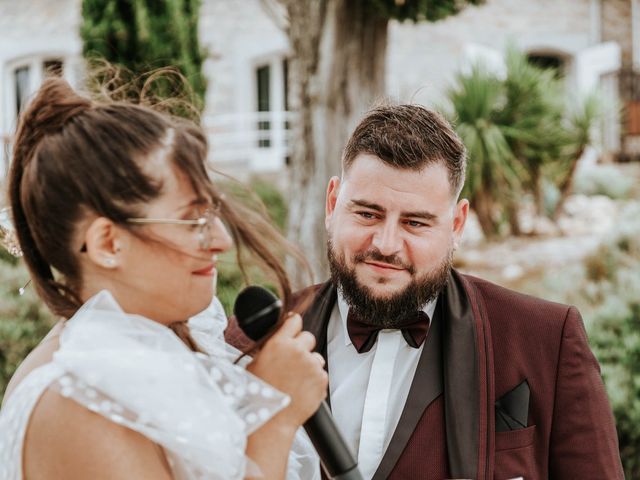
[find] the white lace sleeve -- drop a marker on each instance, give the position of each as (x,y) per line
(207,329)
(136,372)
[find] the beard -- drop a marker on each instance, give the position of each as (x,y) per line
(389,311)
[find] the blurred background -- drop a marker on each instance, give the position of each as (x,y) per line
(544,93)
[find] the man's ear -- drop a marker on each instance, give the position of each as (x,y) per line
(102,240)
(332,197)
(459,220)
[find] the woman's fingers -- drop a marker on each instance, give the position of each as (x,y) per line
(318,358)
(290,327)
(307,340)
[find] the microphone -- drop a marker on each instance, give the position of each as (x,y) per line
(257,311)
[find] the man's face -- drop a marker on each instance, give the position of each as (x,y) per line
(391,234)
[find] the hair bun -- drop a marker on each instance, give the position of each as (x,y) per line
(53,106)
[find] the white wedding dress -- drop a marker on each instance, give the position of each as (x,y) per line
(199,408)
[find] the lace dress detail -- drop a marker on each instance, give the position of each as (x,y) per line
(199,408)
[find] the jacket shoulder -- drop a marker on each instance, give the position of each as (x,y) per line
(302,299)
(493,293)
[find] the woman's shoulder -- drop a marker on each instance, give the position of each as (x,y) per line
(66,440)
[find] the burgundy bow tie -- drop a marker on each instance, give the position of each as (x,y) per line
(363,335)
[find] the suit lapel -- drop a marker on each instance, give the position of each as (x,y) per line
(460,382)
(426,386)
(316,319)
(468,381)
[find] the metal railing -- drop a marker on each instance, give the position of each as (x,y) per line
(257,141)
(254,141)
(629,84)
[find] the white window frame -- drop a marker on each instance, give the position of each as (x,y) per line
(35,63)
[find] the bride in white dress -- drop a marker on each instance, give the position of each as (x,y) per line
(121,229)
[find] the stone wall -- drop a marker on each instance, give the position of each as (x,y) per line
(616,26)
(423,57)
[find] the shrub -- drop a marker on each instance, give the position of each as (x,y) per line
(603,180)
(24,319)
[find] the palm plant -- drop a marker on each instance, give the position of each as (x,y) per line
(578,133)
(518,132)
(492,174)
(532,119)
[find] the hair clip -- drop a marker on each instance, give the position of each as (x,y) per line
(8,238)
(21,290)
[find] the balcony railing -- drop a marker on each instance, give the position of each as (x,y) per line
(253,141)
(257,141)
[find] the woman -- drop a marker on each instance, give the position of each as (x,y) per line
(121,229)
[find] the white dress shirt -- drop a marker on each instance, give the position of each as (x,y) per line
(368,390)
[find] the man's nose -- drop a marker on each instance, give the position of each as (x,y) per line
(388,238)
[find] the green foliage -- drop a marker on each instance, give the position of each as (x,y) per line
(520,132)
(144,35)
(417,10)
(477,100)
(532,116)
(493,174)
(603,180)
(615,334)
(24,320)
(273,200)
(261,194)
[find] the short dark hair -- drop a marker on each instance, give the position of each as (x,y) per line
(408,137)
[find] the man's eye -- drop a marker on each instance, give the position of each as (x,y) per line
(415,224)
(367,215)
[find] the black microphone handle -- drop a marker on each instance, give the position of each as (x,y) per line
(335,454)
(336,457)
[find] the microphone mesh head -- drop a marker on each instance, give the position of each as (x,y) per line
(257,311)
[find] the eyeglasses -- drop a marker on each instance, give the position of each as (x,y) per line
(204,224)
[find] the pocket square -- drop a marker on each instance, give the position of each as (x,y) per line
(512,409)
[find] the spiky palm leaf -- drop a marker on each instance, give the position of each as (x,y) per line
(476,99)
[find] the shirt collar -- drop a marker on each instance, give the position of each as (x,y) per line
(343,308)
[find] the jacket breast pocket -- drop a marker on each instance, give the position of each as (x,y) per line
(515,454)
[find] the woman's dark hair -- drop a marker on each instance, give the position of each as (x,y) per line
(73,155)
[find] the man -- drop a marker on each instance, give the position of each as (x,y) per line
(435,374)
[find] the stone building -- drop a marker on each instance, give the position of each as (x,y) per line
(593,43)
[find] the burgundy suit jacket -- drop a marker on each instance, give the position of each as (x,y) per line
(483,342)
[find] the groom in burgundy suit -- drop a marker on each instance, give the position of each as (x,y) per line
(435,374)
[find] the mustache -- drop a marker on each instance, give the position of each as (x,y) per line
(375,255)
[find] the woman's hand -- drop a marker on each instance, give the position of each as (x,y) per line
(287,362)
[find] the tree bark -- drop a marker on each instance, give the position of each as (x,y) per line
(484,207)
(567,184)
(337,73)
(512,210)
(538,193)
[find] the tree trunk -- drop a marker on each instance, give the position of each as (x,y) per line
(567,184)
(512,211)
(538,193)
(337,73)
(483,206)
